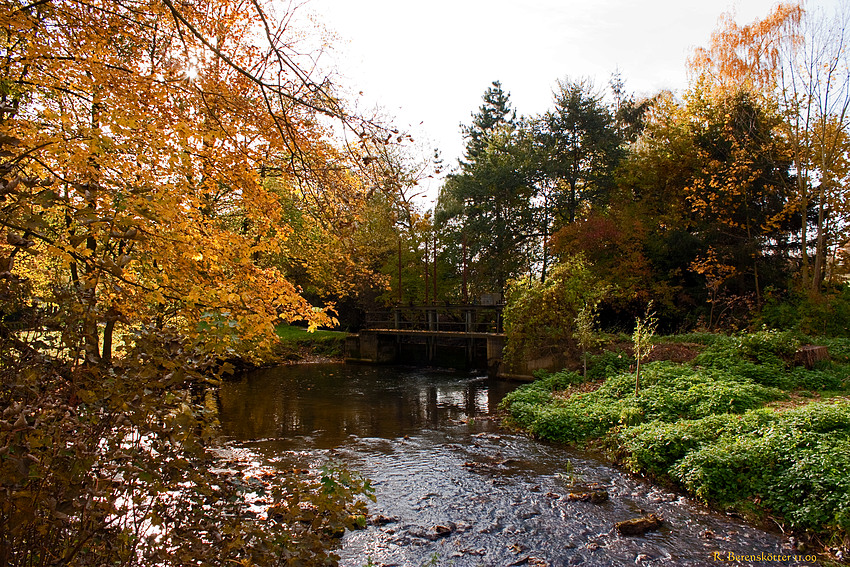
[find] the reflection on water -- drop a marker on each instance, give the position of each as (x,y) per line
(330,402)
(458,490)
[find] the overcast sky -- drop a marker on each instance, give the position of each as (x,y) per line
(427,64)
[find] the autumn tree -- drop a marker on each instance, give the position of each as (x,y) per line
(406,229)
(710,172)
(137,145)
(137,141)
(815,88)
(740,193)
(356,261)
(797,59)
(630,113)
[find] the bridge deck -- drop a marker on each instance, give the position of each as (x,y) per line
(427,333)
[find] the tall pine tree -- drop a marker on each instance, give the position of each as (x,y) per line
(486,204)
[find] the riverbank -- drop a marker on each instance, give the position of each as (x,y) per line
(739,427)
(297,345)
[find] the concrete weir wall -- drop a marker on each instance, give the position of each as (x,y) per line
(371,348)
(432,349)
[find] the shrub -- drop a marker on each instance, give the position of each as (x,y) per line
(655,447)
(702,426)
(766,347)
(110,466)
(828,377)
(559,380)
(813,488)
(764,358)
(607,364)
(580,420)
(827,314)
(540,316)
(821,417)
(727,471)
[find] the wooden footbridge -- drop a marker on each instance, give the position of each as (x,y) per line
(460,335)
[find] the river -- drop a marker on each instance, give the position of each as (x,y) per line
(455,489)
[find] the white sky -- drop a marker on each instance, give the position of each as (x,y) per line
(427,64)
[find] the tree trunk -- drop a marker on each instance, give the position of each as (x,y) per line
(804,233)
(584,360)
(106,357)
(820,244)
(808,355)
(637,377)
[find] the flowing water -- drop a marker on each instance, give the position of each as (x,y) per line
(454,489)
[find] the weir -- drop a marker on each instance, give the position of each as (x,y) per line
(457,336)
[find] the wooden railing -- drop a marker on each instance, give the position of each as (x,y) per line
(447,317)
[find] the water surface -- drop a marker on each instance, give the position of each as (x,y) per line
(457,490)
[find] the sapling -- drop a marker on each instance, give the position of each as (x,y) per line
(583,332)
(642,339)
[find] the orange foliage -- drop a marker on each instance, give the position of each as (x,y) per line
(748,57)
(137,139)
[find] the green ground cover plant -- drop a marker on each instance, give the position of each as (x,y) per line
(739,426)
(791,463)
(670,392)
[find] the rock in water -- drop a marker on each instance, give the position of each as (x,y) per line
(381,520)
(596,496)
(639,526)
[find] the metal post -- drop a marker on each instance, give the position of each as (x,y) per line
(470,343)
(465,296)
(426,272)
(434,296)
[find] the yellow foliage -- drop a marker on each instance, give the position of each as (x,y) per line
(139,137)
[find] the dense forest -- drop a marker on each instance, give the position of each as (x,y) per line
(716,204)
(176,180)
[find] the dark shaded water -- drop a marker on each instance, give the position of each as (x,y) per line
(436,458)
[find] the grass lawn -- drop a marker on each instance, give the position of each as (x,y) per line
(296,343)
(291,332)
